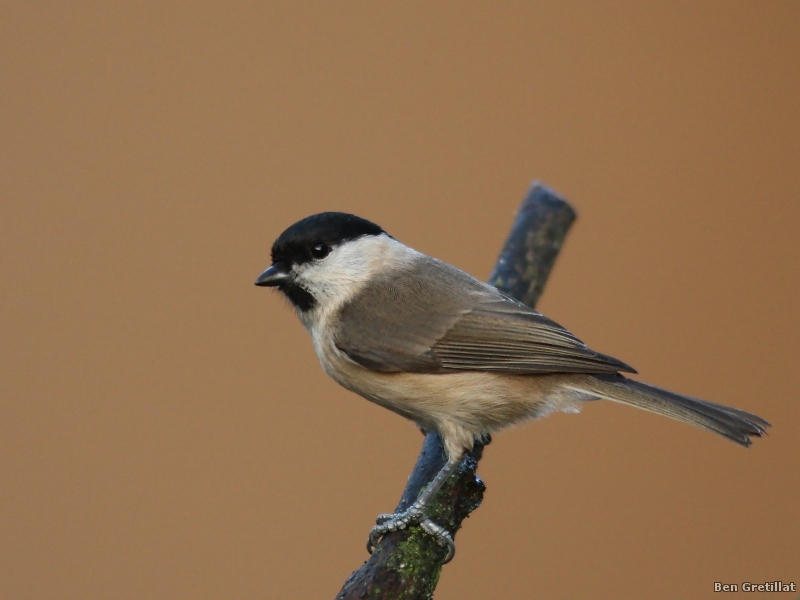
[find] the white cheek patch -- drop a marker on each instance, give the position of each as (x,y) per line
(335,278)
(341,275)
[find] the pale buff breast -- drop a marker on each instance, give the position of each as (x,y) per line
(479,402)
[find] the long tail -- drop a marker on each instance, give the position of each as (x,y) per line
(732,423)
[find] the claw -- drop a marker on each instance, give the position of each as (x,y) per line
(442,536)
(373,539)
(380,519)
(394,522)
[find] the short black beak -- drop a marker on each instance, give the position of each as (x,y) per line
(273,276)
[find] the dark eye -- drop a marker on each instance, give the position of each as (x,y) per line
(320,250)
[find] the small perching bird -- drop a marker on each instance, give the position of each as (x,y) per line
(447,351)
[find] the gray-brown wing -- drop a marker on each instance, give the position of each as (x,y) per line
(505,336)
(391,324)
(433,318)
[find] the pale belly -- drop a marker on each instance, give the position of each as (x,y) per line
(480,402)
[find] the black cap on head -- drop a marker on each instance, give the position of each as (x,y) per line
(330,228)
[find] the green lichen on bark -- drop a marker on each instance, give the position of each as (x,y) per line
(409,570)
(407,564)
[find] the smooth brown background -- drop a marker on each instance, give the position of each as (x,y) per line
(165,428)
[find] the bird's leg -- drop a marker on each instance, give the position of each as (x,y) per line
(416,514)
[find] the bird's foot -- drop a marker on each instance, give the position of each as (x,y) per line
(387,523)
(394,522)
(442,537)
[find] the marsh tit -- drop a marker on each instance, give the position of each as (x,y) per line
(447,351)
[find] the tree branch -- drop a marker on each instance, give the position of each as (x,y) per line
(406,564)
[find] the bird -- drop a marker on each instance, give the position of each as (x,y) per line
(447,351)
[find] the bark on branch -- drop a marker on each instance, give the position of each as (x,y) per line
(406,564)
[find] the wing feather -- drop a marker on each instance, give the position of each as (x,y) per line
(434,318)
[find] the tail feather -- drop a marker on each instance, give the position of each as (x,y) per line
(732,423)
